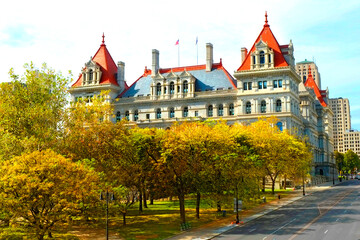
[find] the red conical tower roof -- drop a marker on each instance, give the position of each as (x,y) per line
(107,66)
(310,82)
(268,37)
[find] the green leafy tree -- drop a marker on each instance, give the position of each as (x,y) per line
(31,110)
(352,161)
(44,188)
(339,158)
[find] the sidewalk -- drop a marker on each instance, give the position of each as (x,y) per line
(214,229)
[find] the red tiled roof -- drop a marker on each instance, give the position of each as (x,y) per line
(107,67)
(268,37)
(312,84)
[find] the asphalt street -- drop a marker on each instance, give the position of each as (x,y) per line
(329,214)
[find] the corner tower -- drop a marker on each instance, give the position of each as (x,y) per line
(100,73)
(267,82)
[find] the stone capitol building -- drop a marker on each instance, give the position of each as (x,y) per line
(265,84)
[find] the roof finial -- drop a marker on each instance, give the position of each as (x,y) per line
(266,21)
(103,39)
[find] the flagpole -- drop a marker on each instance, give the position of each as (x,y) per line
(197,52)
(179,54)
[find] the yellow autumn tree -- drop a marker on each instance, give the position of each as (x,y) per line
(43,188)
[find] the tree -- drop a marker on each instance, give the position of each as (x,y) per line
(44,188)
(339,158)
(31,110)
(352,162)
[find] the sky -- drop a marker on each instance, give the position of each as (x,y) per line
(65,34)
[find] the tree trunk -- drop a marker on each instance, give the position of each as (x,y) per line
(124,218)
(49,234)
(285,182)
(151,198)
(140,203)
(263,184)
(273,185)
(144,197)
(181,197)
(198,205)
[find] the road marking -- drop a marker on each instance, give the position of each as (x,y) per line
(251,230)
(326,231)
(318,217)
(279,228)
(337,219)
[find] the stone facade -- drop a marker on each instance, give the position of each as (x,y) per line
(266,84)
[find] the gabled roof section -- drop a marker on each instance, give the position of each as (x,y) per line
(268,37)
(217,78)
(107,66)
(312,84)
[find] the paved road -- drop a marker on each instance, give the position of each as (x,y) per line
(329,214)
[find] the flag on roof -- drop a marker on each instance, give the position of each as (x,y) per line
(196,40)
(177,42)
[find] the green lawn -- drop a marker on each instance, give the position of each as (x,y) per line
(159,221)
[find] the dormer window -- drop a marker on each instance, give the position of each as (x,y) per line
(172,88)
(158,89)
(91,73)
(262,57)
(91,76)
(185,87)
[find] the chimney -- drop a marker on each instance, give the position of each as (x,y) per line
(209,57)
(244,53)
(155,62)
(121,74)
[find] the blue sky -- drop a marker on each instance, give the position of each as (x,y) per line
(64,34)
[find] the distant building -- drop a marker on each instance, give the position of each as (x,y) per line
(351,141)
(266,84)
(302,68)
(342,125)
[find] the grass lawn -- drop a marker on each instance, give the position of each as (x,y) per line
(159,221)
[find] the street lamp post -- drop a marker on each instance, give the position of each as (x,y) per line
(108,196)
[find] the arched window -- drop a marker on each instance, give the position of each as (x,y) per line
(127,115)
(304,79)
(172,113)
(221,110)
(186,112)
(263,106)
(118,116)
(158,113)
(91,76)
(172,88)
(136,115)
(279,125)
(278,105)
(231,109)
(262,57)
(248,107)
(158,89)
(210,110)
(185,87)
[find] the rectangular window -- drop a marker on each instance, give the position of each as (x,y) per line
(249,85)
(265,84)
(245,85)
(260,86)
(196,113)
(275,83)
(147,116)
(280,83)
